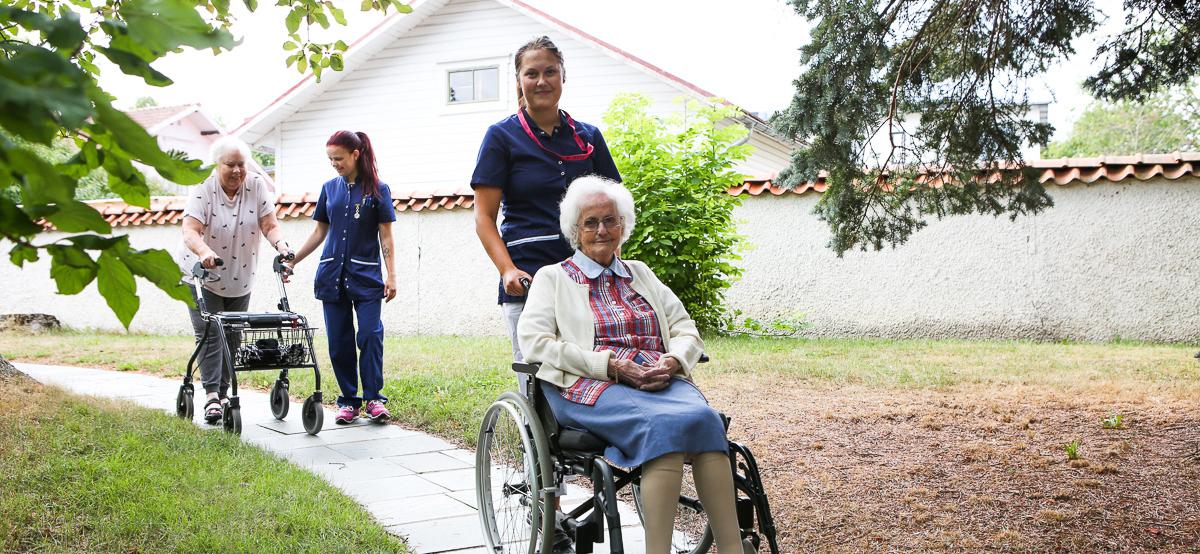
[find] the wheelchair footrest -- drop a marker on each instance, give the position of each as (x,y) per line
(585,534)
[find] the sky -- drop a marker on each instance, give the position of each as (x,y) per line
(745,51)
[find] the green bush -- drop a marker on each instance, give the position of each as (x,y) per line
(679,169)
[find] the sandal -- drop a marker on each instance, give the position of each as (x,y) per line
(214,410)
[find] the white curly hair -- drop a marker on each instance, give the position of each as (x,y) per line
(582,189)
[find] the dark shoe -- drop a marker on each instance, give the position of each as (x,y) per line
(214,410)
(562,542)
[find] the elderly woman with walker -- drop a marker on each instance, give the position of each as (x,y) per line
(225,220)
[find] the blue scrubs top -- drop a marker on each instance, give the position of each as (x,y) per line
(351,261)
(533,182)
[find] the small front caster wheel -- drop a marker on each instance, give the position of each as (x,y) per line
(313,415)
(233,420)
(183,403)
(279,400)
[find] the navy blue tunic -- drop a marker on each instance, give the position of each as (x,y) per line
(533,182)
(352,246)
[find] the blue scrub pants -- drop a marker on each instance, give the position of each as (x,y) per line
(339,325)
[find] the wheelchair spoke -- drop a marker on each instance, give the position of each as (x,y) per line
(511,481)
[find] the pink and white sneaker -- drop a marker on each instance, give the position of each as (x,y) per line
(376,411)
(346,414)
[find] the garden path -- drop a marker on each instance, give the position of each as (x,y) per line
(417,486)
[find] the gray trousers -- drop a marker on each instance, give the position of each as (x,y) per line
(512,313)
(214,374)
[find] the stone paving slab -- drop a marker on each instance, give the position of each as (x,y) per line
(417,486)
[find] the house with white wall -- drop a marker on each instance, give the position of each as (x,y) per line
(426,85)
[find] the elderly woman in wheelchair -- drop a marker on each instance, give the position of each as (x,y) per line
(614,349)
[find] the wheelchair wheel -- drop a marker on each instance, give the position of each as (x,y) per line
(184,403)
(233,420)
(513,479)
(692,534)
(312,415)
(279,399)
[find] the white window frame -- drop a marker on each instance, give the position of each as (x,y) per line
(504,84)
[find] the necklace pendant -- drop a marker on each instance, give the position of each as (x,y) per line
(357,207)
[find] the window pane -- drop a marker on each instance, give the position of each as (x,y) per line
(461,86)
(486,82)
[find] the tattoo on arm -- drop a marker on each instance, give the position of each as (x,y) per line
(386,251)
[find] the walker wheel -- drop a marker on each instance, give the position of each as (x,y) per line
(183,402)
(312,415)
(280,403)
(233,420)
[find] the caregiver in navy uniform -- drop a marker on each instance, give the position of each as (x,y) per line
(525,164)
(355,211)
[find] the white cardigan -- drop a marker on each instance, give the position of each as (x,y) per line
(557,329)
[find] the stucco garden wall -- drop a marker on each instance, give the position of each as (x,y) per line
(1109,261)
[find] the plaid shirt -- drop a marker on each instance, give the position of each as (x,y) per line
(625,323)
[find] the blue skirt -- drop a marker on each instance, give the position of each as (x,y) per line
(640,426)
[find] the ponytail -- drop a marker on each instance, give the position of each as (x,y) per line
(368,172)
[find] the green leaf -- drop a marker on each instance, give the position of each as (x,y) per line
(288,46)
(75,216)
(22,253)
(152,28)
(251,5)
(14,223)
(63,33)
(222,6)
(293,20)
(159,268)
(335,62)
(340,46)
(134,192)
(131,64)
(338,15)
(366,6)
(116,285)
(134,139)
(40,93)
(71,269)
(402,7)
(97,242)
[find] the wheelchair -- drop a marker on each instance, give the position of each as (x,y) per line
(523,456)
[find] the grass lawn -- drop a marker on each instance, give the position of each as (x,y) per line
(88,475)
(899,445)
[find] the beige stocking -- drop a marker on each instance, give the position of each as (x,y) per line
(661,479)
(714,483)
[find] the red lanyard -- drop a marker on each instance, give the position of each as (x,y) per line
(586,148)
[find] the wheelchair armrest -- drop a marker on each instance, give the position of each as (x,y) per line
(522,367)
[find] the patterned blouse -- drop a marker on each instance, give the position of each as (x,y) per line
(625,323)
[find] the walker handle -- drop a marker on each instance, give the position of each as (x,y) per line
(278,265)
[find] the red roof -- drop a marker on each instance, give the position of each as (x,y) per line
(149,117)
(165,210)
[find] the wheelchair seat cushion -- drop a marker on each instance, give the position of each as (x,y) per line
(580,441)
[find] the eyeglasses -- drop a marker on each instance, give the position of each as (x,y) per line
(592,224)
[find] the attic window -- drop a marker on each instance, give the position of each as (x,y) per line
(473,85)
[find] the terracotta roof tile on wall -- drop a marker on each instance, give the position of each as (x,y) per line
(1063,171)
(166,210)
